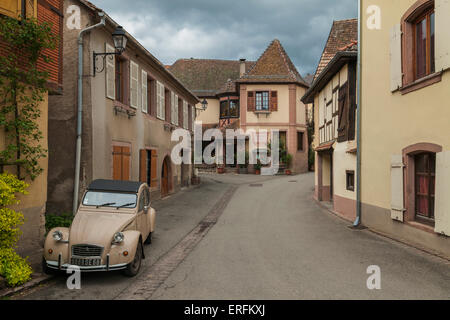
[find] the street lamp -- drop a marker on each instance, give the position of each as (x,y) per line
(204,106)
(120,43)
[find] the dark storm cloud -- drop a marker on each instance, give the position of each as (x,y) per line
(173,29)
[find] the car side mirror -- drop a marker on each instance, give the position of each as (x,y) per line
(146,209)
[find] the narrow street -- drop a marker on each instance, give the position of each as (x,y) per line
(271,241)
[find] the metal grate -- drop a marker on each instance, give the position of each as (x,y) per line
(87,250)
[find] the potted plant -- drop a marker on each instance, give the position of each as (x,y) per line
(258,168)
(288,160)
(220,169)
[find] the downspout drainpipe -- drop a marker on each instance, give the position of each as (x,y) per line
(358,122)
(80,110)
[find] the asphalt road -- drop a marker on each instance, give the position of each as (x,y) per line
(271,241)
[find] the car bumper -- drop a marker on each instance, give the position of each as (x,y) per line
(55,265)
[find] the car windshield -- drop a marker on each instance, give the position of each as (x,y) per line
(110,199)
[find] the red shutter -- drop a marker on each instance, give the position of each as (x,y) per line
(251,102)
(273,101)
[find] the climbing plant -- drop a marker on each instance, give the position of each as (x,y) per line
(23,44)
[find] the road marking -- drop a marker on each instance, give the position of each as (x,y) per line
(145,285)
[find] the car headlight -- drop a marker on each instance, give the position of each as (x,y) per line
(118,237)
(57,235)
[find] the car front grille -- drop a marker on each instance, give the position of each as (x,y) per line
(86,262)
(84,250)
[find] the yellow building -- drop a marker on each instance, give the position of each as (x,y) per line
(333,94)
(405,112)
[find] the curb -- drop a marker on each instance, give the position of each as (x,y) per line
(34,282)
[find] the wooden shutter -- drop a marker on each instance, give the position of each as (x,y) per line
(442,200)
(144,92)
(10,8)
(185,115)
(175,110)
(396,57)
(134,82)
(251,101)
(343,113)
(190,117)
(397,206)
(126,163)
(117,163)
(167,106)
(154,169)
(273,101)
(143,165)
(110,73)
(442,27)
(180,113)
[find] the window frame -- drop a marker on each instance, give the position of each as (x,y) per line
(350,186)
(425,15)
(261,95)
(302,135)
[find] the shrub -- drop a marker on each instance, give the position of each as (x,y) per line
(53,221)
(14,268)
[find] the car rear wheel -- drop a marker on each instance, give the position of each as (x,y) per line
(134,267)
(149,238)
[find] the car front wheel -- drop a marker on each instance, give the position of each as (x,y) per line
(134,267)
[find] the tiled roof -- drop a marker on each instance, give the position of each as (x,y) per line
(206,77)
(274,66)
(309,78)
(343,33)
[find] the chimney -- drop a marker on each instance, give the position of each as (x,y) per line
(242,67)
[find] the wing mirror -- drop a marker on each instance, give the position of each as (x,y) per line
(146,209)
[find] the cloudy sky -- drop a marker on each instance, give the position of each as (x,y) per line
(231,29)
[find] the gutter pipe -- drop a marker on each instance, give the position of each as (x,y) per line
(358,123)
(102,23)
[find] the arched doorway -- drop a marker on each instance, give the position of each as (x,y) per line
(165,177)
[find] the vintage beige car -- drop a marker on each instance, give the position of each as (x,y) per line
(108,233)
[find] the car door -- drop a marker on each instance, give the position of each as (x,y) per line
(142,220)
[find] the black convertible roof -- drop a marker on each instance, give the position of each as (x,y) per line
(115,185)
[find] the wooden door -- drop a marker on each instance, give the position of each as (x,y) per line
(165,179)
(121,163)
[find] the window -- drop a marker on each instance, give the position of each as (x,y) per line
(425,169)
(350,180)
(229,109)
(283,140)
(424,44)
(224,109)
(174,108)
(234,108)
(185,115)
(300,136)
(262,101)
(161,111)
(148,167)
(120,80)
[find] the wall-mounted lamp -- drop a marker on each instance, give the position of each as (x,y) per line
(120,43)
(203,107)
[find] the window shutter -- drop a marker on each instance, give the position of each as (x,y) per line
(134,82)
(10,8)
(31,8)
(190,117)
(180,114)
(143,165)
(144,92)
(396,57)
(185,115)
(161,112)
(251,102)
(442,27)
(442,200)
(397,207)
(273,101)
(175,110)
(342,113)
(193,117)
(154,169)
(110,73)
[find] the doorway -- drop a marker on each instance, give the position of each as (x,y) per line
(165,177)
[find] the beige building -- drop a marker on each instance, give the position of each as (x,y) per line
(261,95)
(333,94)
(405,140)
(131,105)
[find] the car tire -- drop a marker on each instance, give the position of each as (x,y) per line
(149,238)
(133,268)
(46,270)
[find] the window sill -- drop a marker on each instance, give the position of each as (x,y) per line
(422,83)
(421,226)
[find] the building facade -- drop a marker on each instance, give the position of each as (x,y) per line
(405,141)
(261,95)
(333,94)
(33,205)
(131,105)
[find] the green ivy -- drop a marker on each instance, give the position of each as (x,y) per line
(22,89)
(53,221)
